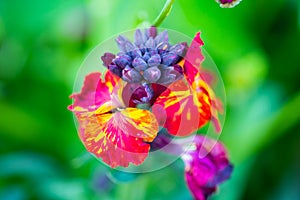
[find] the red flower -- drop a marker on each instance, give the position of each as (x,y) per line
(151,74)
(108,129)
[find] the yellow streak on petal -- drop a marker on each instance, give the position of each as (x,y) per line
(99,136)
(188,115)
(142,120)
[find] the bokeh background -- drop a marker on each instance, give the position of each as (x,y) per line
(42,45)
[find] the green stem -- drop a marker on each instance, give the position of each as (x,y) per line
(164,13)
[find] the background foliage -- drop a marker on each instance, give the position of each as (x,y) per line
(42,44)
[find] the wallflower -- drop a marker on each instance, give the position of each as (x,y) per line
(206,166)
(149,83)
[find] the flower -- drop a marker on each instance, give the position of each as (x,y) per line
(150,83)
(228,3)
(107,128)
(152,92)
(206,166)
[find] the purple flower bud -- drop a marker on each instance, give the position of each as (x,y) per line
(131,75)
(107,59)
(169,75)
(137,93)
(139,38)
(151,32)
(152,51)
(163,45)
(162,139)
(228,3)
(123,60)
(152,74)
(124,44)
(154,60)
(170,59)
(150,43)
(139,64)
(178,69)
(162,37)
(115,69)
(179,49)
(206,167)
(146,56)
(149,92)
(136,53)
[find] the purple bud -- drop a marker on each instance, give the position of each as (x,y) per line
(149,93)
(139,38)
(146,56)
(228,3)
(107,59)
(170,59)
(154,60)
(131,75)
(150,43)
(178,68)
(122,61)
(169,75)
(115,69)
(162,139)
(124,44)
(136,53)
(136,93)
(163,45)
(152,74)
(152,51)
(179,49)
(162,37)
(139,64)
(151,32)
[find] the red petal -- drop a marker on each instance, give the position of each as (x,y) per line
(94,92)
(111,80)
(115,134)
(183,114)
(198,80)
(193,58)
(118,138)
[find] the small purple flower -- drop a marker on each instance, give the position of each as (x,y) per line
(206,166)
(228,3)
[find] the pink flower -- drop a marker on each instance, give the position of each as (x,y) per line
(228,3)
(206,166)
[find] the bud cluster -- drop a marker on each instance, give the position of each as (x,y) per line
(150,59)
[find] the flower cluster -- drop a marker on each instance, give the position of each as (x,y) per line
(151,86)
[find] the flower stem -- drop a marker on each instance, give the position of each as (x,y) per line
(164,13)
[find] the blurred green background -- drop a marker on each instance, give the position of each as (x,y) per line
(42,45)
